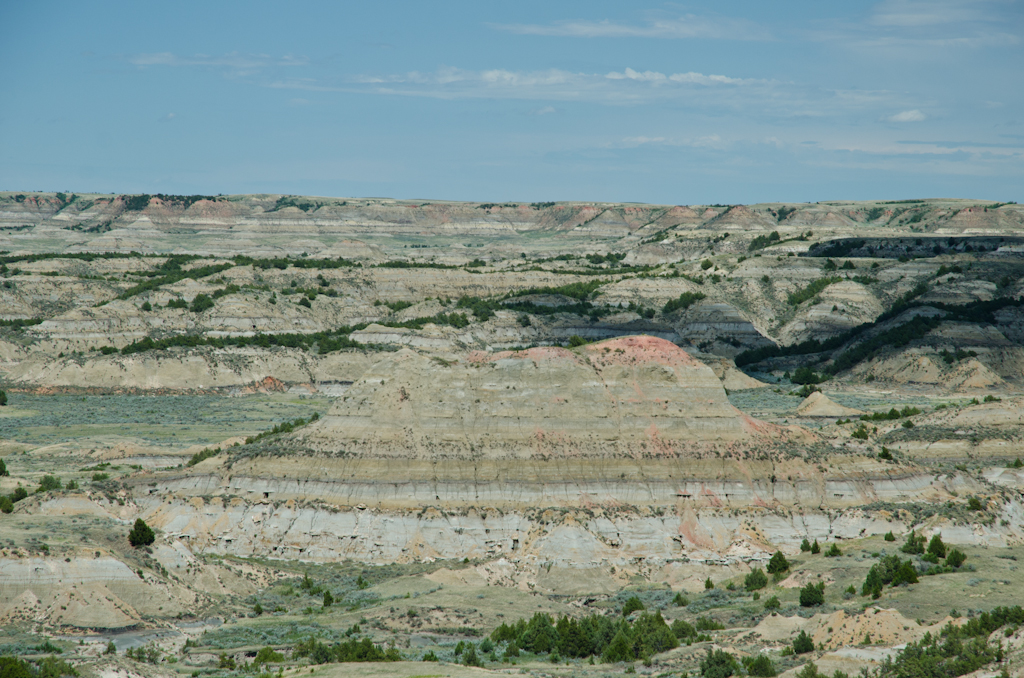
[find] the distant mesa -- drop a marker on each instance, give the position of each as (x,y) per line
(635,396)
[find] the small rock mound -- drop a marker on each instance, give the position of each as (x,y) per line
(820,405)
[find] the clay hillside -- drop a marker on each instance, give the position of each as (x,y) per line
(257,434)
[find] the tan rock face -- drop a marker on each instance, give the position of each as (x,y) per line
(634,395)
(820,405)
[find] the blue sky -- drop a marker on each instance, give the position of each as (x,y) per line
(676,103)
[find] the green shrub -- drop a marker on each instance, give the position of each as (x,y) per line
(812,595)
(805,545)
(760,666)
(936,547)
(803,643)
(6,505)
(267,655)
(805,375)
(772,604)
(914,544)
(955,558)
(833,551)
(757,579)
(889,536)
(706,264)
(141,534)
(683,629)
(49,483)
(708,584)
(632,605)
(718,664)
(815,547)
(708,624)
(680,600)
(778,564)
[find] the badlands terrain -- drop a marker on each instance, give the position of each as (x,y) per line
(377,437)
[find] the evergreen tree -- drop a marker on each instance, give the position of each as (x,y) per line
(778,563)
(803,644)
(141,534)
(936,547)
(755,580)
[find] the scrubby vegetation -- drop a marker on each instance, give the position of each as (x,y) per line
(284,427)
(684,301)
(812,290)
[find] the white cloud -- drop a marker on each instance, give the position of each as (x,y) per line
(908,116)
(690,78)
(545,110)
(684,27)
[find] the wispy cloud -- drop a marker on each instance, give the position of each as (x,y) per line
(908,116)
(916,28)
(628,86)
(916,13)
(684,27)
(233,61)
(687,78)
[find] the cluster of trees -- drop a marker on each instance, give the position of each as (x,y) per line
(950,357)
(324,342)
(954,651)
(892,571)
(457,320)
(892,414)
(976,311)
(47,667)
(762,241)
(347,651)
(613,639)
(611,258)
(7,501)
(685,301)
(171,272)
(203,455)
(812,290)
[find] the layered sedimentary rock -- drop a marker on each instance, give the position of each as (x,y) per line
(632,396)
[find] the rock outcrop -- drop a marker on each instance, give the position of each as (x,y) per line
(633,396)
